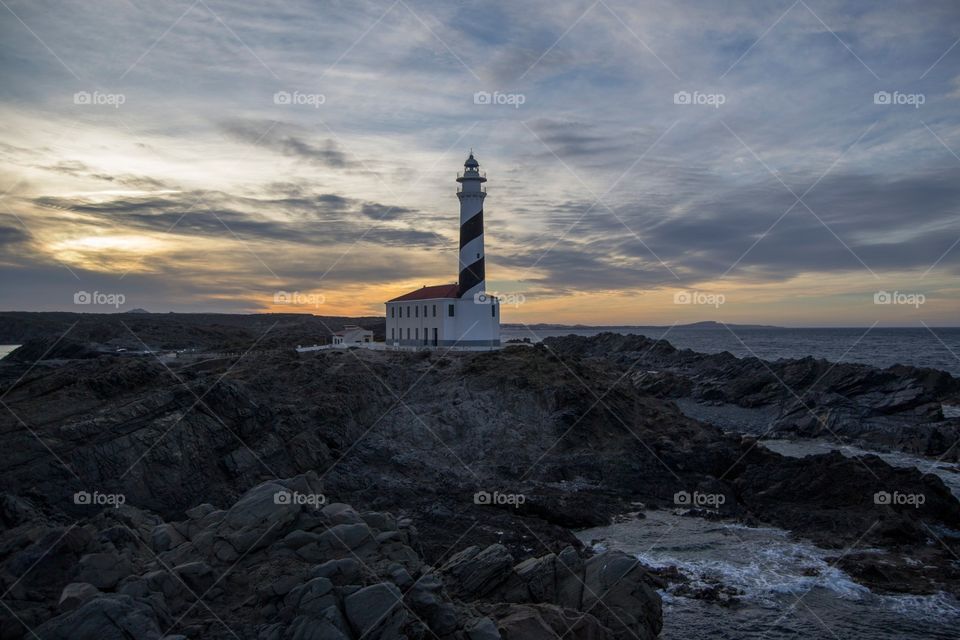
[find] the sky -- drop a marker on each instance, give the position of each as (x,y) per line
(779,162)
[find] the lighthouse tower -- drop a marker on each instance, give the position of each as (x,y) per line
(471,194)
(458,315)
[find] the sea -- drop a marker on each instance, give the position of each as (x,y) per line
(938,348)
(788,587)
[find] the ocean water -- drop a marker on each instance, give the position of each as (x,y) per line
(883,347)
(789,588)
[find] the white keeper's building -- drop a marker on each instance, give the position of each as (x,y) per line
(460,315)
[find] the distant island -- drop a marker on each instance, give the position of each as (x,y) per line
(705,324)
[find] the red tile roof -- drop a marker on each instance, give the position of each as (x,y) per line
(428,293)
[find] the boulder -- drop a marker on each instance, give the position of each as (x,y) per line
(258,518)
(198,576)
(340,572)
(481,629)
(103,570)
(547,622)
(165,537)
(376,612)
(615,590)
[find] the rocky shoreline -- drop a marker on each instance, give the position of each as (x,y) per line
(903,408)
(466,474)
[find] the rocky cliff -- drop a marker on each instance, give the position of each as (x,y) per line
(126,478)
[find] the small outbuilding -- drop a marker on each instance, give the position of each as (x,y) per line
(352,335)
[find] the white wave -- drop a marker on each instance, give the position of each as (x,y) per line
(939,605)
(775,568)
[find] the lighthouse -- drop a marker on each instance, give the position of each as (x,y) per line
(471,195)
(459,315)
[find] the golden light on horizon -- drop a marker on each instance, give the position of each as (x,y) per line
(102,252)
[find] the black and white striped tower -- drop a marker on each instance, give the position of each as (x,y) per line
(471,194)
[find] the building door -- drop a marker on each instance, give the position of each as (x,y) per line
(434,336)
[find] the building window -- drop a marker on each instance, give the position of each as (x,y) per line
(493,310)
(401,311)
(393,335)
(424,311)
(416,333)
(408,333)
(393,312)
(434,336)
(416,312)
(408,311)
(450,310)
(434,311)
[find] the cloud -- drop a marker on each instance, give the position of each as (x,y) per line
(200,147)
(289,140)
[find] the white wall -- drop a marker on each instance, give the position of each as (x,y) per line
(473,323)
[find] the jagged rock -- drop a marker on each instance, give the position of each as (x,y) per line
(107,617)
(630,608)
(75,594)
(473,572)
(540,577)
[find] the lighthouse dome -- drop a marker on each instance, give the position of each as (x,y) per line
(471,162)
